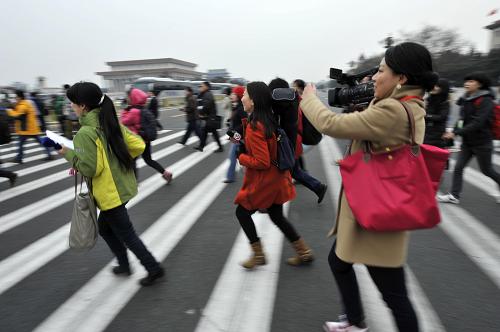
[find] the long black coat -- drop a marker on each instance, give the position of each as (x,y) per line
(435,122)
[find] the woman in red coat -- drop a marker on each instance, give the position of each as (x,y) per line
(264,185)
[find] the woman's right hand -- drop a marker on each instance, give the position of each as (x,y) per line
(309,90)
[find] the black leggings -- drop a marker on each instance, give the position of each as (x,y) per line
(146,155)
(275,213)
(390,282)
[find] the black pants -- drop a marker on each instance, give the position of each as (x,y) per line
(119,233)
(204,134)
(483,155)
(275,213)
(6,174)
(146,155)
(390,282)
(191,127)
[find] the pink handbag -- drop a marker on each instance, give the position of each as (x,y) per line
(394,190)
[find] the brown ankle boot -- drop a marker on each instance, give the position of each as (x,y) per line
(258,257)
(304,253)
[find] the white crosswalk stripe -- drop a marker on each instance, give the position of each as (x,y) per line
(238,300)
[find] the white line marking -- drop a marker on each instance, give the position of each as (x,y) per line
(31,211)
(244,300)
(60,161)
(26,261)
(96,304)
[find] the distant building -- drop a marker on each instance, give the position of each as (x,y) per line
(495,34)
(125,72)
(217,73)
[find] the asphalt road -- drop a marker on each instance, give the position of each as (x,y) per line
(453,270)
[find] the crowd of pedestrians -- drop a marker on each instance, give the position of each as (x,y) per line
(106,147)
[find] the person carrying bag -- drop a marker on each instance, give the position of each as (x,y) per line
(406,70)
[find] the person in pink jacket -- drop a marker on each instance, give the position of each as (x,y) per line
(131,118)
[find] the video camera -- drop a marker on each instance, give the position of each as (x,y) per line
(356,93)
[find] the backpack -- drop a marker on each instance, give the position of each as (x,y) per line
(495,125)
(310,135)
(148,125)
(286,155)
(4,128)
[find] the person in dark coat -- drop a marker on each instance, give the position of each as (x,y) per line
(191,110)
(237,115)
(154,107)
(436,117)
(474,125)
(264,185)
(289,118)
(208,113)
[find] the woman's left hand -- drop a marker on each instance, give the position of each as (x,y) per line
(62,151)
(309,90)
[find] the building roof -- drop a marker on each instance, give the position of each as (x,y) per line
(148,71)
(493,26)
(151,61)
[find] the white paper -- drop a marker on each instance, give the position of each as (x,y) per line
(60,139)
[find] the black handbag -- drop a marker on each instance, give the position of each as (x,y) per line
(214,122)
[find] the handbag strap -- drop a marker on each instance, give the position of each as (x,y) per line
(411,121)
(367,147)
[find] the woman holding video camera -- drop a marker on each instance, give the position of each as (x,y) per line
(405,73)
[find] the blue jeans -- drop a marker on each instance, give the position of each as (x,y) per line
(232,159)
(22,139)
(119,233)
(305,179)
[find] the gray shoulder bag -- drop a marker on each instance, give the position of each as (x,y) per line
(83,231)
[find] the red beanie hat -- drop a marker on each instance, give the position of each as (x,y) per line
(239,91)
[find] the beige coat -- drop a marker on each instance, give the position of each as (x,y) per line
(385,124)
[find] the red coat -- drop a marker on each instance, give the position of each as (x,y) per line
(263,184)
(298,143)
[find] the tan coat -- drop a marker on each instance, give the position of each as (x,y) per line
(385,124)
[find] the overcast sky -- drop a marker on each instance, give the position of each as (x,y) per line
(69,40)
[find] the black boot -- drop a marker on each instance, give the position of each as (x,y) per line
(152,277)
(120,270)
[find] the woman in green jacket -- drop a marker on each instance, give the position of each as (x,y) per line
(104,152)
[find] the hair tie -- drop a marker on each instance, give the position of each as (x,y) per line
(102,99)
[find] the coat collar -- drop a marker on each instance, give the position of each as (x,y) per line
(406,90)
(91,118)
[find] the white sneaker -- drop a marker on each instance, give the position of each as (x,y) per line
(342,327)
(448,198)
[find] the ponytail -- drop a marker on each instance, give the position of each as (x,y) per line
(90,95)
(110,126)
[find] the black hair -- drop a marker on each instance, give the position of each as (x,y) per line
(260,94)
(155,93)
(480,78)
(188,88)
(66,86)
(300,84)
(283,108)
(34,94)
(414,61)
(227,91)
(20,94)
(207,84)
(442,96)
(91,96)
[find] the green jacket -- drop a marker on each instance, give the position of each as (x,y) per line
(112,186)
